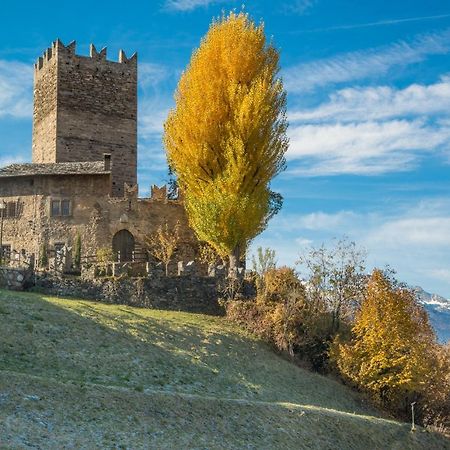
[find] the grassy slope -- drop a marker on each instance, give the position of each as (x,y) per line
(79,374)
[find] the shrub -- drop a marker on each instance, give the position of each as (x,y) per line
(283,315)
(105,256)
(77,251)
(43,256)
(251,316)
(434,406)
(280,283)
(262,262)
(336,278)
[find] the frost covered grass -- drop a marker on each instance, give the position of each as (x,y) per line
(81,374)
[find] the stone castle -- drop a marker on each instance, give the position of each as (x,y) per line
(83,177)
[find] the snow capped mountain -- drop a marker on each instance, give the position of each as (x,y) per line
(438,309)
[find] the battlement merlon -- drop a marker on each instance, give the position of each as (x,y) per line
(58,48)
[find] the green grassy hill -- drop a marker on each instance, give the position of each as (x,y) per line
(79,374)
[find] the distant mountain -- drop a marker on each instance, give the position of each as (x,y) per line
(438,309)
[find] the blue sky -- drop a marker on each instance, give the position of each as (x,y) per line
(368,103)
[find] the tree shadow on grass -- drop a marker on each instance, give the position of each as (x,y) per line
(90,342)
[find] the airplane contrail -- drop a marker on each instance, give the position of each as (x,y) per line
(375,24)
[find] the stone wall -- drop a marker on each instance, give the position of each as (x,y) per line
(187,293)
(45,108)
(95,215)
(16,279)
(86,106)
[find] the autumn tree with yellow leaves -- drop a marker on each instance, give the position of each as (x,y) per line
(163,243)
(226,137)
(389,355)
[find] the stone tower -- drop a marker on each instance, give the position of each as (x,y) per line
(86,107)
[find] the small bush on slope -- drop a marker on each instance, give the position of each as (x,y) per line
(435,404)
(285,315)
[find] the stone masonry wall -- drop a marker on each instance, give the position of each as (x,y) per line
(96,110)
(45,108)
(187,293)
(15,279)
(95,215)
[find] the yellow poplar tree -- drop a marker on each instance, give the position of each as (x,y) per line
(389,355)
(226,137)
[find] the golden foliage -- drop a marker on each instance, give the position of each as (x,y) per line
(105,256)
(226,137)
(207,255)
(163,243)
(287,319)
(389,355)
(280,283)
(435,403)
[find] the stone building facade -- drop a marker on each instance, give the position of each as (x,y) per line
(82,179)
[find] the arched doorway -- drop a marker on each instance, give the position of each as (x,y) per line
(123,246)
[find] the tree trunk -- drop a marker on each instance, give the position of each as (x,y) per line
(234,258)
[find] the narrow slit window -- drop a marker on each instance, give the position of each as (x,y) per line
(11,209)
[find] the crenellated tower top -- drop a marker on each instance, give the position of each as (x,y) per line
(58,48)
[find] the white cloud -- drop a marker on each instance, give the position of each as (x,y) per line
(16,80)
(152,115)
(303,242)
(6,161)
(156,85)
(364,64)
(299,6)
(380,102)
(413,231)
(315,221)
(440,274)
(371,130)
(189,5)
(151,75)
(367,148)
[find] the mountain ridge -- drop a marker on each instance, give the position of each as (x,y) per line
(438,309)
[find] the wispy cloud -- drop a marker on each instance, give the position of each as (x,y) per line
(189,5)
(371,130)
(368,148)
(375,24)
(380,102)
(299,6)
(6,161)
(364,64)
(16,80)
(413,231)
(153,112)
(155,88)
(315,221)
(152,74)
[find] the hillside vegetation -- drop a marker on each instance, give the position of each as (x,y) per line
(80,374)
